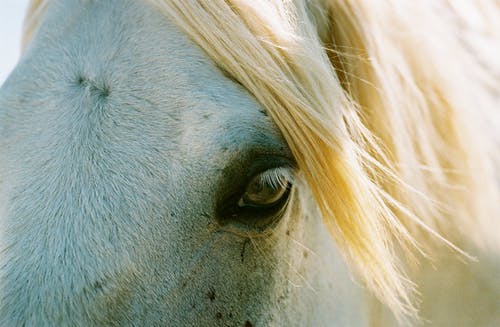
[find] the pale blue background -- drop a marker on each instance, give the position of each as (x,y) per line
(11,19)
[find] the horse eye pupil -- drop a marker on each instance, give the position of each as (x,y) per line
(256,187)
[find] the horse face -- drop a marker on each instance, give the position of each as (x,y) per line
(135,187)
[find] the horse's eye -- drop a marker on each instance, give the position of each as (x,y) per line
(260,202)
(267,189)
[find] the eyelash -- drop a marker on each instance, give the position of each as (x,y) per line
(278,177)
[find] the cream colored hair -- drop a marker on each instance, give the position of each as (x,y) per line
(388,107)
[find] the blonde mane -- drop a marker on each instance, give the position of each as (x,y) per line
(390,116)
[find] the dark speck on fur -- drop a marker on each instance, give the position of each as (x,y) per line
(211,295)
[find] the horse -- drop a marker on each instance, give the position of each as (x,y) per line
(251,163)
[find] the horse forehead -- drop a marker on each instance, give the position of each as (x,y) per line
(125,48)
(119,71)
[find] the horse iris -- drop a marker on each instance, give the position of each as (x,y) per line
(266,189)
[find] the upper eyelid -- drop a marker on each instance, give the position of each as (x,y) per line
(268,162)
